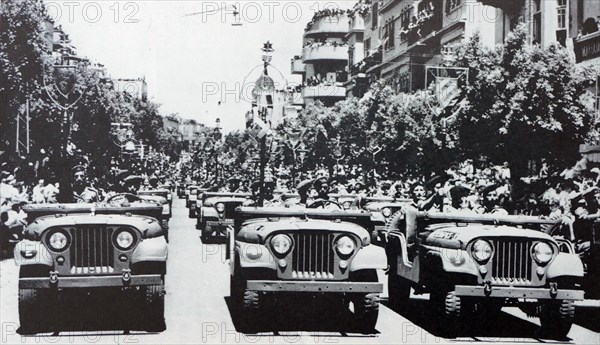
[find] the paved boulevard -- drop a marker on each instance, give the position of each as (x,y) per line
(198,311)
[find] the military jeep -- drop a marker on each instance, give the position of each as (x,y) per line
(78,252)
(480,263)
(191,195)
(162,192)
(382,211)
(217,214)
(195,206)
(307,253)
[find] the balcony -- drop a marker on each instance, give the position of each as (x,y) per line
(505,5)
(296,99)
(298,67)
(324,91)
(325,52)
(587,47)
(357,23)
(334,25)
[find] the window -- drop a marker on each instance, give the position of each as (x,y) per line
(375,15)
(367,46)
(404,22)
(389,34)
(351,56)
(537,22)
(561,11)
(451,5)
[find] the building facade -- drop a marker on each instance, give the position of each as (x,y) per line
(324,58)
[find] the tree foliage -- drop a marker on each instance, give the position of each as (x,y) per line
(524,102)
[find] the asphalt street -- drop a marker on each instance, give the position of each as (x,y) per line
(198,310)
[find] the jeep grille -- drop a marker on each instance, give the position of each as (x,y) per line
(511,263)
(92,250)
(313,256)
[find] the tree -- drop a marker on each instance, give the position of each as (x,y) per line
(523,103)
(22,49)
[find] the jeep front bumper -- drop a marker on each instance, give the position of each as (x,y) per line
(62,282)
(314,286)
(517,292)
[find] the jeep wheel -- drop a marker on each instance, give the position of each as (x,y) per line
(366,312)
(398,291)
(192,214)
(154,300)
(448,307)
(165,226)
(236,291)
(556,318)
(37,309)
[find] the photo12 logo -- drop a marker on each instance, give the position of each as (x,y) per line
(93,12)
(249,12)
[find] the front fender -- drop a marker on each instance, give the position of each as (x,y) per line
(565,264)
(456,261)
(254,255)
(42,256)
(369,257)
(150,249)
(209,212)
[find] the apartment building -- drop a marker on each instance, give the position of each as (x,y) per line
(324,58)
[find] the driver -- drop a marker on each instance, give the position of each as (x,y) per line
(83,192)
(321,186)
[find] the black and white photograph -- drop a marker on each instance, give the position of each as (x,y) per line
(300,172)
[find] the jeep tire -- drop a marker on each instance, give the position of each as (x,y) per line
(165,225)
(37,309)
(398,291)
(366,312)
(556,318)
(154,305)
(447,306)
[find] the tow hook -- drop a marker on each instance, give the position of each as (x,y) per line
(488,288)
(553,289)
(54,278)
(126,276)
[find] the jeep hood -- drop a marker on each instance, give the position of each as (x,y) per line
(148,226)
(451,235)
(257,230)
(215,200)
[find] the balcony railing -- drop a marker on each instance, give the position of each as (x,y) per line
(324,91)
(587,47)
(506,5)
(296,98)
(336,25)
(298,67)
(357,23)
(325,52)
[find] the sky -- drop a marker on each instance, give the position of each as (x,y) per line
(191,62)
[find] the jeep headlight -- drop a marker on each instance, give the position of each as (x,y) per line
(281,244)
(386,212)
(220,207)
(345,246)
(124,239)
(58,241)
(347,205)
(482,250)
(165,209)
(169,196)
(542,253)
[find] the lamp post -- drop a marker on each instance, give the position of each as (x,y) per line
(217,135)
(64,80)
(263,92)
(302,151)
